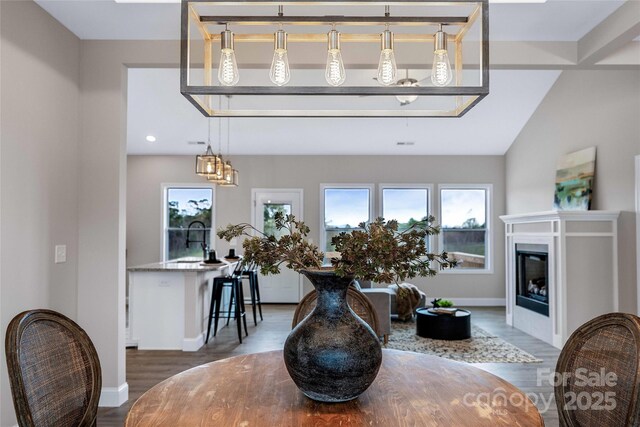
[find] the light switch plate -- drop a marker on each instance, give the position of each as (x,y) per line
(61,254)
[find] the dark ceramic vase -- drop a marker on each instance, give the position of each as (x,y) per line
(332,355)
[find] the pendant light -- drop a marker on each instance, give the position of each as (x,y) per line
(228,69)
(208,164)
(441,74)
(279,72)
(387,68)
(334,73)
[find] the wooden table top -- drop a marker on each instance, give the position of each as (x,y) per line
(411,390)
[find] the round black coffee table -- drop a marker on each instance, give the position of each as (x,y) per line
(443,326)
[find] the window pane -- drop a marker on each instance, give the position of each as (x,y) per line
(463,208)
(269,213)
(184,207)
(405,205)
(177,239)
(344,209)
(463,222)
(189,204)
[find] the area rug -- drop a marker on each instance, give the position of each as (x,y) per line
(482,347)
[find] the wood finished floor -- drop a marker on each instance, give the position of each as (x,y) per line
(147,368)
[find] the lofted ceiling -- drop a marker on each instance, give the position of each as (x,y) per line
(156,107)
(554,20)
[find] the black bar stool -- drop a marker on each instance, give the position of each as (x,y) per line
(251,273)
(234,281)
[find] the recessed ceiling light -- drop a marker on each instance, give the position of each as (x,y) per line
(150,138)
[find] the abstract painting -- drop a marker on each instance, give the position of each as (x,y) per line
(574,180)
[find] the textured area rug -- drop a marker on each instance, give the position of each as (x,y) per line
(482,347)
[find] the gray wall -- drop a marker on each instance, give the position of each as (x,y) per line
(584,109)
(38,167)
(233,205)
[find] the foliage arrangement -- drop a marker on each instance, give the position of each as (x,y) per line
(269,252)
(444,303)
(377,252)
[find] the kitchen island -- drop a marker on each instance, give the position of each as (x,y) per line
(169,303)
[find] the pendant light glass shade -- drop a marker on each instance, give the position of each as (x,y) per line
(230,176)
(387,68)
(334,73)
(208,164)
(280,73)
(228,69)
(441,73)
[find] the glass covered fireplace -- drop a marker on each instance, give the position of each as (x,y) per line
(532,281)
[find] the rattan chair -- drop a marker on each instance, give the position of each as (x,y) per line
(54,371)
(358,302)
(611,343)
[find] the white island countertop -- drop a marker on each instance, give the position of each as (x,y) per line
(184,265)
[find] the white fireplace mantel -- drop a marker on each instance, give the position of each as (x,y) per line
(582,264)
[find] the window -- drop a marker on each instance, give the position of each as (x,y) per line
(343,208)
(406,203)
(465,219)
(185,206)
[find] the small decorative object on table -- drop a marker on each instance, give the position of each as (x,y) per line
(332,355)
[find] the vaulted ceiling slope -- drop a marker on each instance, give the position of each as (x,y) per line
(531,43)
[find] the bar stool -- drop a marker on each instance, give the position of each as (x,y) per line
(251,273)
(234,281)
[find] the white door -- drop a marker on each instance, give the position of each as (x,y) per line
(285,287)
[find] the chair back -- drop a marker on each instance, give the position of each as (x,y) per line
(54,371)
(598,373)
(358,302)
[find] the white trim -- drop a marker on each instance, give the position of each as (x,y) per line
(561,215)
(163,217)
(478,302)
(489,227)
(400,186)
(372,195)
(112,397)
(637,188)
(193,344)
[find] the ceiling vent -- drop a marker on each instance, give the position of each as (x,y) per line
(405,143)
(196,143)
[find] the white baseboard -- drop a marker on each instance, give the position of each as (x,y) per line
(112,397)
(193,344)
(478,302)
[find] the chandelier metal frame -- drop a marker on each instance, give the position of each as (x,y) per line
(201,96)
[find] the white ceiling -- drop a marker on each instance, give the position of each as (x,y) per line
(156,107)
(555,20)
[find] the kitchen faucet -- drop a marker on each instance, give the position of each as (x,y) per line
(203,242)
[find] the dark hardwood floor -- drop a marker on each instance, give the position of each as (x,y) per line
(147,368)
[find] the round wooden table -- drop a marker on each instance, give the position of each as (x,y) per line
(411,390)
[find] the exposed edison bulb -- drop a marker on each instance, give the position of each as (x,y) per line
(279,72)
(441,73)
(228,69)
(387,68)
(210,167)
(334,73)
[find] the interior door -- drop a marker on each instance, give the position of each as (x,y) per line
(285,287)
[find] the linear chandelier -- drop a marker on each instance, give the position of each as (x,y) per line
(444,43)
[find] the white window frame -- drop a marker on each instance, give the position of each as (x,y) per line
(488,269)
(430,209)
(164,210)
(323,187)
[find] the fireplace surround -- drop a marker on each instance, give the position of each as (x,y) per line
(561,271)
